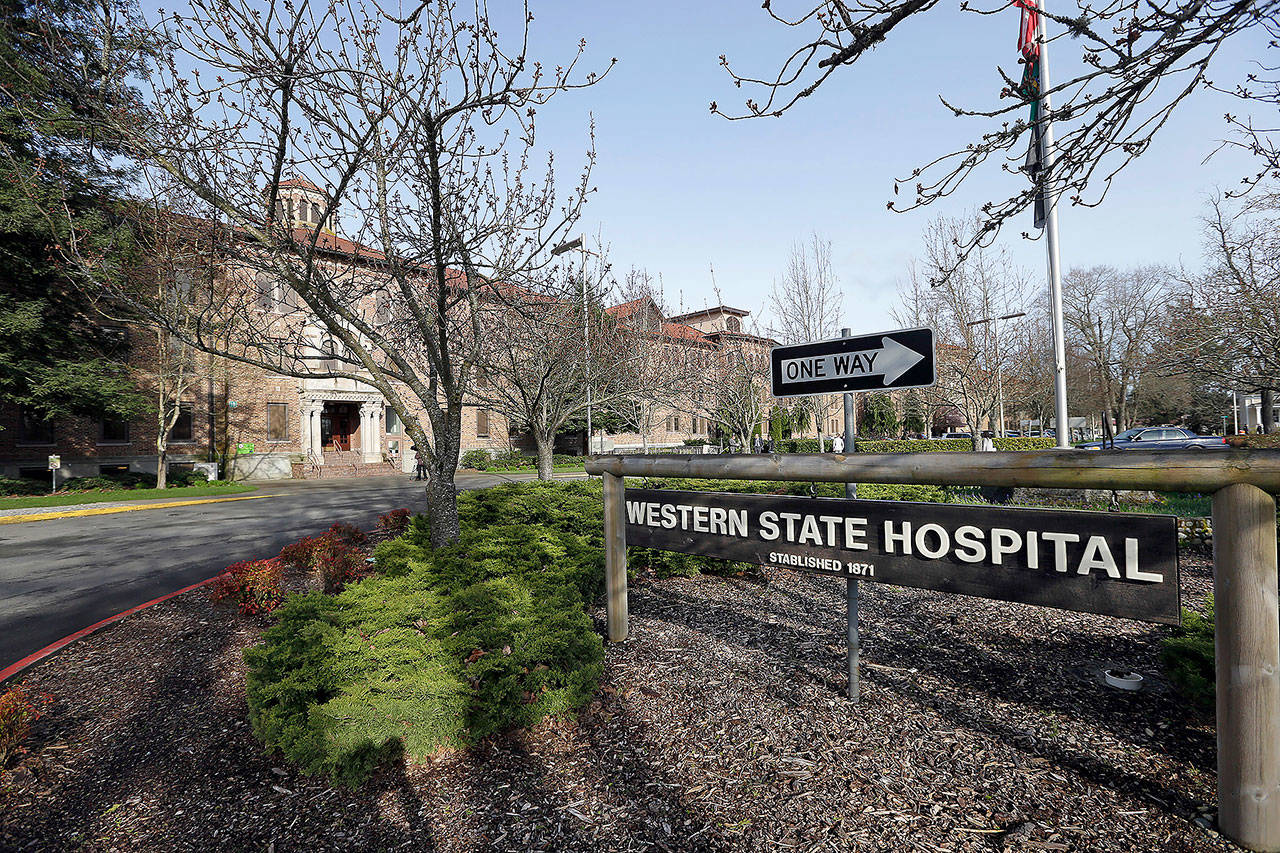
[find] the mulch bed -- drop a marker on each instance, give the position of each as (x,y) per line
(721,725)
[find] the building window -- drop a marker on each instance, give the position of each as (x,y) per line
(35,429)
(183,427)
(733,324)
(675,423)
(113,431)
(315,213)
(277,421)
(482,423)
(394,425)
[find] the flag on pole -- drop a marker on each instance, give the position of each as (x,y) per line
(1029,90)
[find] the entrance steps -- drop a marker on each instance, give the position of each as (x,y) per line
(347,463)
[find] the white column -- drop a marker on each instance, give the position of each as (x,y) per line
(316,448)
(370,432)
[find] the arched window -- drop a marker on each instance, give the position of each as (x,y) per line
(315,213)
(733,324)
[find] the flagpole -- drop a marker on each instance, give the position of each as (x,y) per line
(1049,156)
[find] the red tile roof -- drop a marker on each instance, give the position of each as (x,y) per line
(626,309)
(299,182)
(680,330)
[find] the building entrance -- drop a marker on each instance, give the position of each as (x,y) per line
(340,426)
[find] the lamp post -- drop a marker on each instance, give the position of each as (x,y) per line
(995,321)
(580,244)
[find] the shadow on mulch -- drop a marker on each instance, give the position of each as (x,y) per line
(1050,670)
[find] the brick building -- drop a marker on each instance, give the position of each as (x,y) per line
(260,424)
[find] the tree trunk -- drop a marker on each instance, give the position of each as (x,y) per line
(162,464)
(442,507)
(1265,416)
(545,445)
(442,494)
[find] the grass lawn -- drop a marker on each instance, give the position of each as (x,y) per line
(73,498)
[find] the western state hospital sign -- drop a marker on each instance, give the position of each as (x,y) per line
(1108,563)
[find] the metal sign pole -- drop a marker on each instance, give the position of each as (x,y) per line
(854,643)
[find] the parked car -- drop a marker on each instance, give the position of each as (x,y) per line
(957,435)
(1160,438)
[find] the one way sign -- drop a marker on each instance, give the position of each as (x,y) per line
(901,359)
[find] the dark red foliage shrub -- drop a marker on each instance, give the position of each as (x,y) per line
(301,554)
(337,562)
(19,708)
(395,521)
(349,533)
(254,585)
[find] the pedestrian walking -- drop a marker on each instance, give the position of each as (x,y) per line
(837,444)
(419,464)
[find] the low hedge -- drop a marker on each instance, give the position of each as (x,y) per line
(869,491)
(482,460)
(444,646)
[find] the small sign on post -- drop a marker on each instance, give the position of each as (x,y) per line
(55,462)
(879,362)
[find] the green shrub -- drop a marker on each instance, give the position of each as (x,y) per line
(1027,443)
(444,646)
(477,459)
(180,477)
(868,491)
(10,487)
(511,460)
(914,445)
(110,482)
(1188,657)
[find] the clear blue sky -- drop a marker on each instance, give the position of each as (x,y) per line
(679,189)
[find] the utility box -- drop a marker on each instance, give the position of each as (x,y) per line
(209,468)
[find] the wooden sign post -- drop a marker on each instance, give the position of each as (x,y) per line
(1247,639)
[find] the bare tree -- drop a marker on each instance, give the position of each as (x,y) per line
(1223,326)
(669,367)
(740,381)
(420,130)
(1112,317)
(1140,61)
(806,305)
(538,366)
(982,284)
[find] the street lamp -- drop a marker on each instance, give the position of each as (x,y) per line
(580,244)
(995,321)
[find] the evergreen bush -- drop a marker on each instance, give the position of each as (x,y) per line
(10,487)
(476,459)
(1188,657)
(444,646)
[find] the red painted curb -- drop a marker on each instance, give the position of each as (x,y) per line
(14,669)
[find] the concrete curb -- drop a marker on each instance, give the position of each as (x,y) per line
(108,510)
(35,657)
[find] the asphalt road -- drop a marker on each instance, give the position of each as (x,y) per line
(61,575)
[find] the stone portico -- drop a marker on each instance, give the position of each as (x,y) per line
(340,420)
